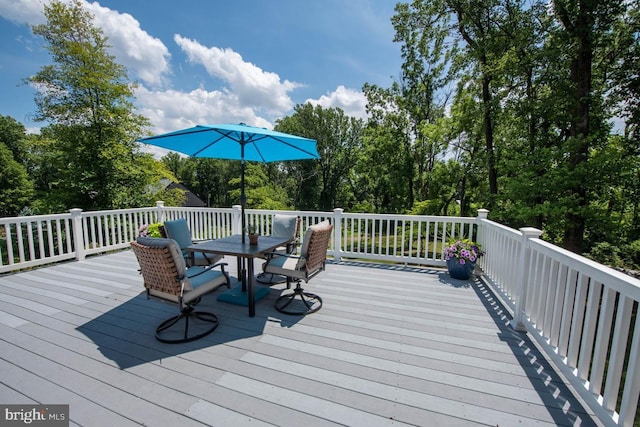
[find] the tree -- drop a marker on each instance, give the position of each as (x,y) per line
(260,191)
(385,169)
(465,38)
(14,136)
(338,139)
(537,84)
(424,75)
(86,96)
(16,189)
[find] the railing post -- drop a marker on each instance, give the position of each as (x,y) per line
(337,232)
(236,219)
(482,214)
(523,278)
(78,235)
(160,216)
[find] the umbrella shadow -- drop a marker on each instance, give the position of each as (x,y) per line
(126,333)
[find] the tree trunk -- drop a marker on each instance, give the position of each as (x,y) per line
(579,128)
(488,134)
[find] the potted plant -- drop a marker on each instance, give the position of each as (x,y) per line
(252,230)
(152,230)
(461,256)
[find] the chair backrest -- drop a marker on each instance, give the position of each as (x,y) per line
(313,254)
(179,231)
(285,225)
(162,265)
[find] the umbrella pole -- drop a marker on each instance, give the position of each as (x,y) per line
(243,197)
(243,202)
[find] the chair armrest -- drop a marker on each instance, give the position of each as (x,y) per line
(208,268)
(270,255)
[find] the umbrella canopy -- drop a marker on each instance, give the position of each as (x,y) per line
(236,142)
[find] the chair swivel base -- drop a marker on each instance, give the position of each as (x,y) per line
(270,279)
(298,302)
(208,322)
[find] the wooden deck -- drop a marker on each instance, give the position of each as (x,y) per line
(391,346)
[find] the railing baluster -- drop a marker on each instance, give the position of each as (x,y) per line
(602,341)
(618,351)
(558,309)
(631,393)
(588,334)
(567,312)
(577,319)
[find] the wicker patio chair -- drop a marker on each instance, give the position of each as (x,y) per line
(312,260)
(166,277)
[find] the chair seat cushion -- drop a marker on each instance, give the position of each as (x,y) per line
(203,281)
(285,266)
(197,283)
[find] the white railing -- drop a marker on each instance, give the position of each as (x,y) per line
(410,239)
(31,241)
(407,239)
(580,312)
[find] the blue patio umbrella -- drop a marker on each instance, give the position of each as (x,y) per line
(236,142)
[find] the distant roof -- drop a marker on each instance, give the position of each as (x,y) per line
(192,201)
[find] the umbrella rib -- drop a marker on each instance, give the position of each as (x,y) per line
(293,146)
(170,135)
(215,141)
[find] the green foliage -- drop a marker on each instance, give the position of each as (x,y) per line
(13,135)
(152,230)
(252,229)
(536,88)
(260,192)
(630,254)
(606,253)
(429,207)
(321,184)
(16,189)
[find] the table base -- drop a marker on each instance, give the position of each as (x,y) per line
(237,297)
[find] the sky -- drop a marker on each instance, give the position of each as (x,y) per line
(218,61)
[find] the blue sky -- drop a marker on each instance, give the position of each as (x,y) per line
(203,62)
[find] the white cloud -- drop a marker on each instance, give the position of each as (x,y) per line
(171,109)
(143,55)
(252,85)
(22,11)
(351,101)
(146,56)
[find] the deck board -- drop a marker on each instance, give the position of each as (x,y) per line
(391,346)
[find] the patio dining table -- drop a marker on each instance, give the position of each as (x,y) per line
(245,293)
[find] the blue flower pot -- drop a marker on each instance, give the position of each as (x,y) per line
(460,271)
